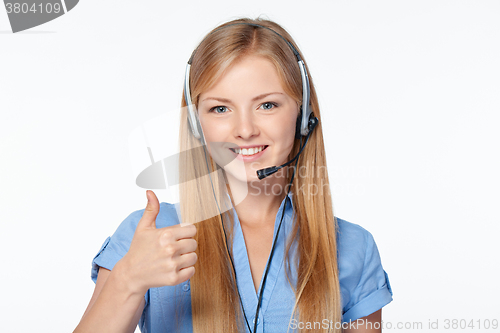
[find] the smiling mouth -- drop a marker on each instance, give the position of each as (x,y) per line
(248,151)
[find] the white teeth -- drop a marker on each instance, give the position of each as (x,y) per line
(248,151)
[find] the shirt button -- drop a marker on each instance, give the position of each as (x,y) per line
(258,321)
(185,287)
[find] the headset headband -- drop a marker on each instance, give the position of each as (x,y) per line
(304,108)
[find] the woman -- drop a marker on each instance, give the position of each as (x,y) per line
(279,261)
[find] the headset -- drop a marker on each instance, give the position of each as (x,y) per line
(306,122)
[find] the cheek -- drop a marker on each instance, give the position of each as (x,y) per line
(287,134)
(211,129)
(215,128)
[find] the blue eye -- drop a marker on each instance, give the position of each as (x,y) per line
(218,109)
(268,105)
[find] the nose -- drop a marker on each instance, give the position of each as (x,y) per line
(245,126)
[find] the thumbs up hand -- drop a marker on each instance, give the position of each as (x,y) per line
(158,257)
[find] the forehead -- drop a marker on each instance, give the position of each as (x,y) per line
(250,76)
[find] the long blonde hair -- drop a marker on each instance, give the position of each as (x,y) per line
(215,302)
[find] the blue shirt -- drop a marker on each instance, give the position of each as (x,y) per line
(364,284)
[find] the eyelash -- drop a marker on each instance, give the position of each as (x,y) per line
(272,103)
(212,110)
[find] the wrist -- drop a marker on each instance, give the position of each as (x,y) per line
(121,276)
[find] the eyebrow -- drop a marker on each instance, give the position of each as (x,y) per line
(225,100)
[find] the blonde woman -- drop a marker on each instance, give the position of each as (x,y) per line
(279,261)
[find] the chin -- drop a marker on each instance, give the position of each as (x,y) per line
(245,177)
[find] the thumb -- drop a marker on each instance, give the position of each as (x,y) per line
(148,219)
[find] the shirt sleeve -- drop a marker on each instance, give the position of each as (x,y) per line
(366,286)
(116,246)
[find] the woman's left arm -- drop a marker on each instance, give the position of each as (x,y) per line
(369,324)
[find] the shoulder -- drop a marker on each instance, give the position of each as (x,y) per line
(348,232)
(352,240)
(125,231)
(355,245)
(166,217)
(364,284)
(356,250)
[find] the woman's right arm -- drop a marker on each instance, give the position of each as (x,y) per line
(112,307)
(155,258)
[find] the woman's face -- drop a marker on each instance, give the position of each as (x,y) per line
(248,116)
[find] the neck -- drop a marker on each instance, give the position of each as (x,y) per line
(257,202)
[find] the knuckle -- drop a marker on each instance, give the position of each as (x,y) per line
(167,233)
(170,250)
(170,267)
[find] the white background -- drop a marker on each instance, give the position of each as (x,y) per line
(409,92)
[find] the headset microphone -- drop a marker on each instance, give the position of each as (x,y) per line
(263,173)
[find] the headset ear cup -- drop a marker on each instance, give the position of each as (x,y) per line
(313,122)
(298,124)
